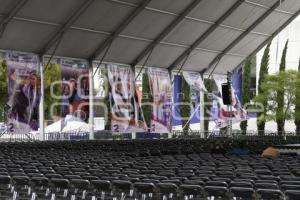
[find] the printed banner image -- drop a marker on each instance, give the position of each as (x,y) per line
(124,102)
(176,120)
(161,89)
(75,89)
(196,84)
(236,114)
(24,89)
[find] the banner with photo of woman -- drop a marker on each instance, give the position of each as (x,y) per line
(161,90)
(75,88)
(124,103)
(24,90)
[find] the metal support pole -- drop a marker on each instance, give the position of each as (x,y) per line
(202,116)
(229,121)
(91,101)
(136,107)
(41,106)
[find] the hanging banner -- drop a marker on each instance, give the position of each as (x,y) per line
(195,106)
(75,89)
(196,84)
(194,80)
(237,113)
(24,89)
(161,89)
(124,101)
(241,113)
(176,119)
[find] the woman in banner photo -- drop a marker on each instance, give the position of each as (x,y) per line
(25,101)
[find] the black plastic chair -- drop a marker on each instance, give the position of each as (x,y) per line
(242,193)
(190,191)
(269,194)
(144,191)
(292,194)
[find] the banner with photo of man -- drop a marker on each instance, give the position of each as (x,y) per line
(161,90)
(123,101)
(24,90)
(75,89)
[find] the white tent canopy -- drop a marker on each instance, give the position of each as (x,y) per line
(219,33)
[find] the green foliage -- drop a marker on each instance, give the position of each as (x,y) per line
(284,82)
(280,95)
(208,84)
(51,75)
(246,82)
(264,67)
(297,103)
(146,99)
(185,108)
(3,90)
(106,99)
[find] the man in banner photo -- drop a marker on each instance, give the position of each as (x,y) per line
(24,88)
(75,89)
(124,105)
(161,89)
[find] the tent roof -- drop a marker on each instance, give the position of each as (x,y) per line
(211,33)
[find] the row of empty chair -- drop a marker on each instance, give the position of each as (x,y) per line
(161,169)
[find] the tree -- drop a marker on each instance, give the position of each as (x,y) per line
(106,99)
(264,67)
(246,82)
(52,74)
(208,84)
(146,99)
(284,82)
(280,96)
(185,107)
(297,104)
(3,90)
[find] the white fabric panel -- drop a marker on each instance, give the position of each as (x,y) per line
(244,16)
(55,11)
(248,44)
(187,32)
(211,10)
(198,60)
(220,39)
(104,15)
(25,36)
(124,50)
(228,63)
(78,44)
(148,24)
(290,6)
(6,5)
(267,3)
(164,55)
(271,23)
(174,6)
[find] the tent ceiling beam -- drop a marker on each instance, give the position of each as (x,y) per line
(15,9)
(206,34)
(63,28)
(119,29)
(243,35)
(166,31)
